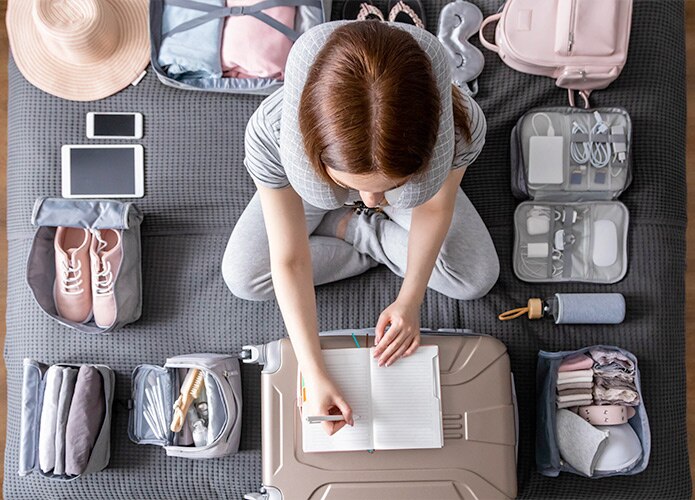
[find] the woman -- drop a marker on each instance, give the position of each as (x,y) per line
(365,115)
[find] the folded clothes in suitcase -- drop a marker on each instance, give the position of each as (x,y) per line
(479,419)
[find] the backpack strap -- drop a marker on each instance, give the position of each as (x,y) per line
(212,12)
(584,95)
(490,19)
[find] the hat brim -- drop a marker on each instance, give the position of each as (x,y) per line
(41,66)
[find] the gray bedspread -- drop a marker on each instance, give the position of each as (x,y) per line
(196,188)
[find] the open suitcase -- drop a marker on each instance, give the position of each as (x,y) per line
(478,459)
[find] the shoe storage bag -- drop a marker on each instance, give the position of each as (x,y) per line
(308,13)
(50,213)
(572,163)
(32,401)
(548,459)
(223,394)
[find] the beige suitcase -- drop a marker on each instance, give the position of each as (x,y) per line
(478,459)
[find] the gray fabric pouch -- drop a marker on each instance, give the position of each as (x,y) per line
(548,459)
(50,213)
(32,399)
(223,393)
(572,163)
(580,241)
(310,13)
(576,133)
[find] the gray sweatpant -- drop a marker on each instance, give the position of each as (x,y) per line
(466,268)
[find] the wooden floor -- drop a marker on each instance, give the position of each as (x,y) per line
(690,277)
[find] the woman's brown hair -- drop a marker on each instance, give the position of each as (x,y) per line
(371,103)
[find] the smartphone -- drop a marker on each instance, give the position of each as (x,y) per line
(114,125)
(108,171)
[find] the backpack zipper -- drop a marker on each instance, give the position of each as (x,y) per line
(570,41)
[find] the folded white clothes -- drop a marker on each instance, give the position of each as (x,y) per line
(583,378)
(573,397)
(49,412)
(563,376)
(574,404)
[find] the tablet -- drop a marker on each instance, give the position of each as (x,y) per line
(107,171)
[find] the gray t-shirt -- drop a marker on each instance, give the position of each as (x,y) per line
(263,141)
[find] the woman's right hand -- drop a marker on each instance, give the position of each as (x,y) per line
(324,398)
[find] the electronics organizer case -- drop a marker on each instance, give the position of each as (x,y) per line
(594,248)
(479,414)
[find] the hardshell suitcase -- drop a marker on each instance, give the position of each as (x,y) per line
(478,459)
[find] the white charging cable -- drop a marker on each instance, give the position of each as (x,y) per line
(600,151)
(580,151)
(550,132)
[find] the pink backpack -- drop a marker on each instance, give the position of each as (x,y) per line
(581,43)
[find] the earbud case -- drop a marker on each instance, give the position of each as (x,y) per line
(223,392)
(33,383)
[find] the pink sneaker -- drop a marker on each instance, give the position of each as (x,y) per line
(106,254)
(71,293)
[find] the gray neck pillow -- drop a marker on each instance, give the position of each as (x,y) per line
(301,174)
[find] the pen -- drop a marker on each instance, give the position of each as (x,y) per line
(328,418)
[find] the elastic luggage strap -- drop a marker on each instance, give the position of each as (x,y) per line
(213,12)
(568,248)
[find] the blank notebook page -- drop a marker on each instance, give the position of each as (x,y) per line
(406,409)
(349,368)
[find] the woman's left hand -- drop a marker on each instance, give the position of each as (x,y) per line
(403,335)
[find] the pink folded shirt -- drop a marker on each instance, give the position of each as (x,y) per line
(576,362)
(253,49)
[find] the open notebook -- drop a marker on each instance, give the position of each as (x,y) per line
(399,406)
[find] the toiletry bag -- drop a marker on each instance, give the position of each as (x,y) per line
(309,13)
(548,459)
(32,402)
(223,394)
(581,43)
(572,163)
(50,213)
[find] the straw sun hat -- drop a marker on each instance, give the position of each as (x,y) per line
(81,50)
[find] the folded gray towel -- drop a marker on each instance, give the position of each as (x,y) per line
(85,419)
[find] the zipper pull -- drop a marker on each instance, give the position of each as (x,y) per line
(570,42)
